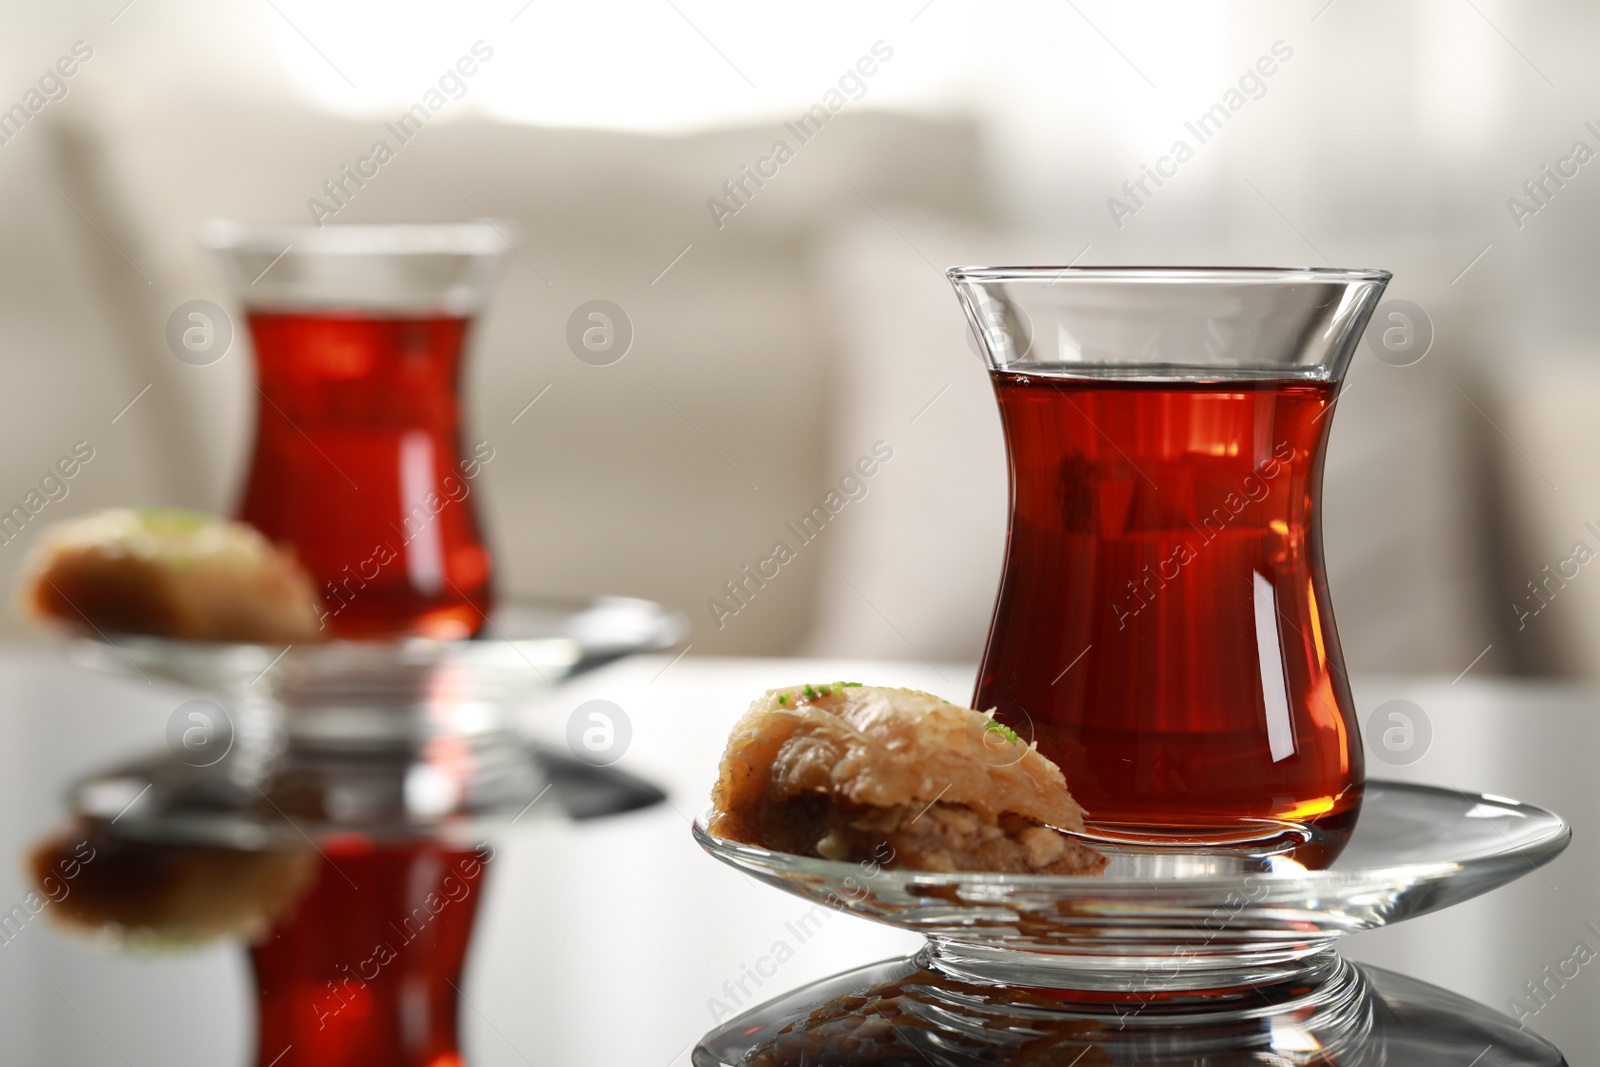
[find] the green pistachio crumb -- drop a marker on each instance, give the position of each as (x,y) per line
(174,520)
(1002,729)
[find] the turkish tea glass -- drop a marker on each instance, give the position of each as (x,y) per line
(358,461)
(1163,628)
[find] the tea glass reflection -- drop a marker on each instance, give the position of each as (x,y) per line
(358,461)
(1163,628)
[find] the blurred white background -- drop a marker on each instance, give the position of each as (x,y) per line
(773,349)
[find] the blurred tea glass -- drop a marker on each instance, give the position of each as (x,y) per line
(359,335)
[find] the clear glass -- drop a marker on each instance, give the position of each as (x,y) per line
(1200,928)
(448,268)
(1169,323)
(336,806)
(391,741)
(907,1014)
(359,335)
(1163,628)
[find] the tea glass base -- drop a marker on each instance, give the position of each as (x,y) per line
(910,1011)
(1178,972)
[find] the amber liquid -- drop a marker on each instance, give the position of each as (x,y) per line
(364,970)
(357,466)
(1163,627)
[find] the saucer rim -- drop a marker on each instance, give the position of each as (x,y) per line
(1289,879)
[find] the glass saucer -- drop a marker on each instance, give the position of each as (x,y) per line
(906,1013)
(1202,927)
(523,646)
(391,740)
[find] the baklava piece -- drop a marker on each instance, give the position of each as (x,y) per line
(898,777)
(154,894)
(170,573)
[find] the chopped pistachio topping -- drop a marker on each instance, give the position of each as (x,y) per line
(174,520)
(813,691)
(1002,729)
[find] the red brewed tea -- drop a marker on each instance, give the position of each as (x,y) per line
(1163,628)
(363,972)
(357,465)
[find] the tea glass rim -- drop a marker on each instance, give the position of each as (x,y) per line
(361,268)
(1169,274)
(474,238)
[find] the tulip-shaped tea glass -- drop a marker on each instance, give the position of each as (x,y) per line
(358,462)
(1163,628)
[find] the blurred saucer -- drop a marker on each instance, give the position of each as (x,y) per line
(523,645)
(390,740)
